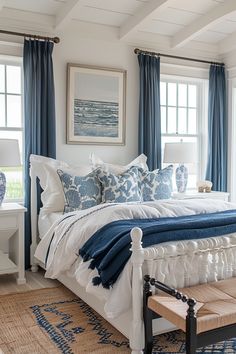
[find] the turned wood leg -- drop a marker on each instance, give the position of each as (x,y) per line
(191,328)
(147,317)
(148,332)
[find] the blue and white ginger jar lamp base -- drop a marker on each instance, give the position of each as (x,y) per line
(2,187)
(181,177)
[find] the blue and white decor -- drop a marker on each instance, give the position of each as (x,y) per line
(216,171)
(2,187)
(96,110)
(181,153)
(149,109)
(9,157)
(68,332)
(156,184)
(39,115)
(96,118)
(121,188)
(181,178)
(81,192)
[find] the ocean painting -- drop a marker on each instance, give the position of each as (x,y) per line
(96,118)
(96,109)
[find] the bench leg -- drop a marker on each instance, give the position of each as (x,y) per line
(191,331)
(147,317)
(148,331)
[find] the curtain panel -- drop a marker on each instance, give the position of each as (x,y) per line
(217,129)
(149,110)
(39,117)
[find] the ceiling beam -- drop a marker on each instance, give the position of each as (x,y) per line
(141,15)
(64,15)
(202,24)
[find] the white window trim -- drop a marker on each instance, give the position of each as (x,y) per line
(202,117)
(16,61)
(231,139)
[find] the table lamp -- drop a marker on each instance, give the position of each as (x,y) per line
(9,157)
(180,153)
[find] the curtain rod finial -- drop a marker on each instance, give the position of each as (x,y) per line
(56,40)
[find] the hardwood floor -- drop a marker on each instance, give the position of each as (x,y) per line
(34,281)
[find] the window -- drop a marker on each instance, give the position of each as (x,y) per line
(180,111)
(11,126)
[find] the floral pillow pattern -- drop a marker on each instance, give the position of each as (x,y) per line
(156,184)
(81,192)
(122,188)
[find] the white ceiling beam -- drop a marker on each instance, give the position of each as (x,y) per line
(64,15)
(141,15)
(202,24)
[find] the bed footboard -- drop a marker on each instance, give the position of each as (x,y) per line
(179,264)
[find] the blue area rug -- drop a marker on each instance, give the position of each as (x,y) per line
(51,321)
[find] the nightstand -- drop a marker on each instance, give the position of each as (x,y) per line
(196,195)
(12,255)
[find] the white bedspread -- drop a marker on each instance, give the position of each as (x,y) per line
(70,233)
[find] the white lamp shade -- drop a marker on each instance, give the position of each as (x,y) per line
(9,153)
(180,153)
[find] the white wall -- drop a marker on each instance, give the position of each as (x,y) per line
(230,60)
(98,45)
(100,48)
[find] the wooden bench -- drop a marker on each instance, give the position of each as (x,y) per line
(206,312)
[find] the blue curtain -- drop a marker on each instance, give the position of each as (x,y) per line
(149,110)
(217,129)
(39,107)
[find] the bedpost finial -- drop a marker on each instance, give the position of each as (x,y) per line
(136,234)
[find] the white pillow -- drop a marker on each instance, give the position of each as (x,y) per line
(45,169)
(38,162)
(97,162)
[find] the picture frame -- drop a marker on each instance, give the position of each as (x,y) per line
(96,105)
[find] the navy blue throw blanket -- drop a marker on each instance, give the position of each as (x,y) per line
(109,248)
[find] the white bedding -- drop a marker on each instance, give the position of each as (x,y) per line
(45,221)
(70,233)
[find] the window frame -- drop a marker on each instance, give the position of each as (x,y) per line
(14,61)
(201,117)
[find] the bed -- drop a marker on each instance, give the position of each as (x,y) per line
(178,264)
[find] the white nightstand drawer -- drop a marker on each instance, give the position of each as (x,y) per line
(8,222)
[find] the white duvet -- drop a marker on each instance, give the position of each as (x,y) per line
(72,230)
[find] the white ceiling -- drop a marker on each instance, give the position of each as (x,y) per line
(178,23)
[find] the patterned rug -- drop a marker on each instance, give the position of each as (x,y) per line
(51,321)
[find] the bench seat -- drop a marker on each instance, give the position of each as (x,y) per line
(215,308)
(206,312)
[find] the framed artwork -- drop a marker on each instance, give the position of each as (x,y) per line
(95,105)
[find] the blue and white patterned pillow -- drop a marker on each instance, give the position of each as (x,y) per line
(120,188)
(156,184)
(81,192)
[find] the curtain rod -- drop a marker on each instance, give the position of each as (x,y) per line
(139,51)
(53,39)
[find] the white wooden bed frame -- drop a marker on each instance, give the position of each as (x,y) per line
(178,264)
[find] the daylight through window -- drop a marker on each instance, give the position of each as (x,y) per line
(11,126)
(179,117)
